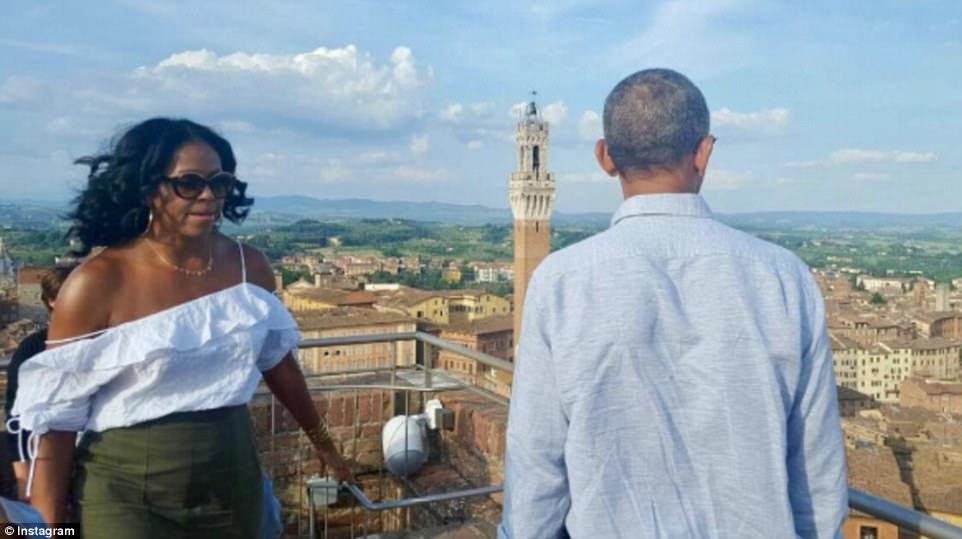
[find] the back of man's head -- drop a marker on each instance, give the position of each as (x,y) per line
(652,119)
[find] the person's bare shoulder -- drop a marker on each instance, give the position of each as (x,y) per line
(259,269)
(84,302)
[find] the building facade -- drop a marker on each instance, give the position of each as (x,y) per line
(531,192)
(350,322)
(492,336)
(936,395)
(879,370)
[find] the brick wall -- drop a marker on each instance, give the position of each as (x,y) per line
(477,446)
(355,420)
(469,456)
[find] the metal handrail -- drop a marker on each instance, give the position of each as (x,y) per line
(421,336)
(417,500)
(903,517)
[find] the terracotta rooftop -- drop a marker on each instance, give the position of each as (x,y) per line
(490,324)
(404,296)
(342,317)
(337,297)
(876,472)
(938,479)
(841,342)
(938,387)
(30,275)
(935,343)
(849,394)
(937,315)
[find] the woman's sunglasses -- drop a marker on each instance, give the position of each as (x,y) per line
(191,185)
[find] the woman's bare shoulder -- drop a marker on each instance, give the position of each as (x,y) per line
(84,302)
(259,270)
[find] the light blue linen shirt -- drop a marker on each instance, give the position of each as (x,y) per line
(674,379)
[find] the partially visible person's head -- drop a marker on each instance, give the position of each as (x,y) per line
(125,182)
(50,284)
(653,120)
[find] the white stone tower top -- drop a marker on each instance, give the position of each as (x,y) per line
(531,188)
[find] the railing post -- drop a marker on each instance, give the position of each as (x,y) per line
(428,364)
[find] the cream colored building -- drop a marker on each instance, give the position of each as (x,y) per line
(878,370)
(351,321)
(442,306)
(469,305)
(881,284)
(493,336)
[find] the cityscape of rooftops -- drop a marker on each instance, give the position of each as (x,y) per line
(380,142)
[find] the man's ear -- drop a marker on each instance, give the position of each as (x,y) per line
(703,154)
(604,160)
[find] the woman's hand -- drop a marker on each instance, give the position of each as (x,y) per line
(337,464)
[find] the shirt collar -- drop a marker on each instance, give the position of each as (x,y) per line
(677,204)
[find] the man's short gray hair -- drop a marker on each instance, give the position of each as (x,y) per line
(652,119)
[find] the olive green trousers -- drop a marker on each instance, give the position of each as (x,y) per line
(190,474)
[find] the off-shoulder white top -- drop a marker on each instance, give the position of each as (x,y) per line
(206,353)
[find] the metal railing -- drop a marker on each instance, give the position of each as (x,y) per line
(905,518)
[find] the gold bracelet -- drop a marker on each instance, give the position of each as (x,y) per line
(318,435)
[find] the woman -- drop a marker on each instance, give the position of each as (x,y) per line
(157,345)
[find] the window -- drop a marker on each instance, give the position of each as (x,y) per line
(867,532)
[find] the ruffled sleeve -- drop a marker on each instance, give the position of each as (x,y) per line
(276,345)
(282,335)
(53,398)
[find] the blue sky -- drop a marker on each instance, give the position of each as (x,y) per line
(817,105)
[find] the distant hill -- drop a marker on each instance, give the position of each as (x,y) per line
(281,210)
(845,219)
(438,212)
(32,214)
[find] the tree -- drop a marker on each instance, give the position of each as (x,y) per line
(877,299)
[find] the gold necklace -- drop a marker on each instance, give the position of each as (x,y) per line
(192,273)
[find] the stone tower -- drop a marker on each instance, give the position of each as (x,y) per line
(531,193)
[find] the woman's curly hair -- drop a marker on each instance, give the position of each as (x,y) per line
(113,210)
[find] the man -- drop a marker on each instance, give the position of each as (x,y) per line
(674,375)
(30,346)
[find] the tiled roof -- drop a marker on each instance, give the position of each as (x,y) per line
(876,472)
(343,317)
(490,324)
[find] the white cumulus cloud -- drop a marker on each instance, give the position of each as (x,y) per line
(340,86)
(726,180)
(590,126)
(15,90)
(475,144)
(452,113)
(482,108)
(870,177)
(586,177)
(914,157)
(420,174)
(420,144)
(555,113)
(857,155)
(766,121)
(334,171)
